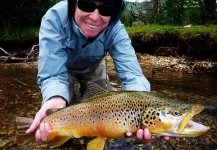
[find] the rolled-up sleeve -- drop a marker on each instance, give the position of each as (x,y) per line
(52,72)
(126,63)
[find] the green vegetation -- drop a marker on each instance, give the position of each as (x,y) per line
(172,12)
(21,18)
(12,32)
(150,30)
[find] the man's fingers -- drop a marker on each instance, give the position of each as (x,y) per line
(47,128)
(147,135)
(166,138)
(129,134)
(38,136)
(36,122)
(43,132)
(139,134)
(33,126)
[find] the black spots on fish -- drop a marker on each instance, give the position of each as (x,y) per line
(132,121)
(138,125)
(141,105)
(102,106)
(158,114)
(119,122)
(186,108)
(148,123)
(128,117)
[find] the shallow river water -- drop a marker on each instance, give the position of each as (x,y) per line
(19,96)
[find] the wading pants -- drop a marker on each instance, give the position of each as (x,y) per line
(96,74)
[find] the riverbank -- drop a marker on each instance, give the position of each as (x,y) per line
(197,42)
(18,92)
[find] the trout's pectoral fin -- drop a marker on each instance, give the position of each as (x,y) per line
(55,140)
(96,144)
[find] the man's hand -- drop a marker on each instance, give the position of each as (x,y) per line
(144,134)
(44,129)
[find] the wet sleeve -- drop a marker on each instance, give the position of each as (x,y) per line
(126,63)
(52,72)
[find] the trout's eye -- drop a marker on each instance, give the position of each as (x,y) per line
(175,113)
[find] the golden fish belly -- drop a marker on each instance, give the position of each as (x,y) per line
(110,121)
(82,128)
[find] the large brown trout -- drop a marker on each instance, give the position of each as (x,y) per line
(109,115)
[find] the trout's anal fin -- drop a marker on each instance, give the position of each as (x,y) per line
(96,144)
(56,140)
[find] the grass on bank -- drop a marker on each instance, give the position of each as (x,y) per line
(13,33)
(150,30)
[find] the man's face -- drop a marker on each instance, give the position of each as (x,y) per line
(91,23)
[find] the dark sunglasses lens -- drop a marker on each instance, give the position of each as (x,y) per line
(86,6)
(105,10)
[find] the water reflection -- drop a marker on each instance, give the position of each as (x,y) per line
(20,100)
(193,87)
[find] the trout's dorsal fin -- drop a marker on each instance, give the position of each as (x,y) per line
(53,110)
(96,144)
(93,90)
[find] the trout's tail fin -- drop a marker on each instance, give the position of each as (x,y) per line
(23,123)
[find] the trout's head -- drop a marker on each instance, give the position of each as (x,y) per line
(174,120)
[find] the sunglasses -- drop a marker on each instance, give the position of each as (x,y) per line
(89,6)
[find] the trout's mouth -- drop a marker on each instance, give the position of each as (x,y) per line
(189,127)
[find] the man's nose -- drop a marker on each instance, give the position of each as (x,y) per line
(95,15)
